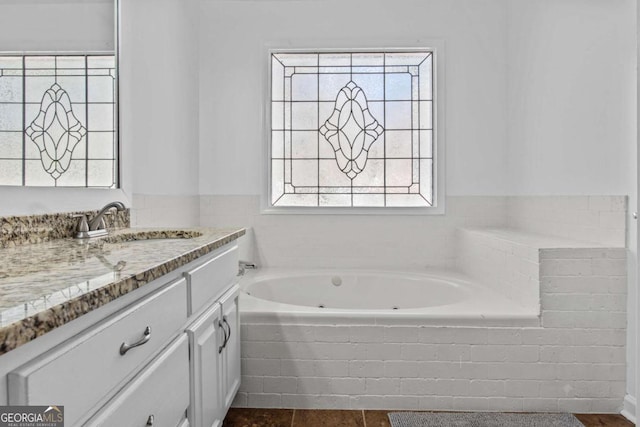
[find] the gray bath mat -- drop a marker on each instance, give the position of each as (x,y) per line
(481,419)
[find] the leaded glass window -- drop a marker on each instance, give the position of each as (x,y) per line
(352,129)
(58,120)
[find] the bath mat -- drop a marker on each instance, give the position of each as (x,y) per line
(481,419)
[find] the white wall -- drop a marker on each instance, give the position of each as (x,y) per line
(572,110)
(233,65)
(61,25)
(571,96)
(159,76)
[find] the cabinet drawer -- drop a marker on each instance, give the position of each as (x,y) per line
(210,279)
(158,396)
(81,372)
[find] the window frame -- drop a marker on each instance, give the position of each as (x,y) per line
(436,47)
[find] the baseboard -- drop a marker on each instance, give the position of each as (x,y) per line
(629,408)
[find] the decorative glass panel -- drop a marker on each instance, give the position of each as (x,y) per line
(58,121)
(352,129)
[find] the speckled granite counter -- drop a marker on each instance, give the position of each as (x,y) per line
(45,285)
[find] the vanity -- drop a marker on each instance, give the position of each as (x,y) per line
(140,328)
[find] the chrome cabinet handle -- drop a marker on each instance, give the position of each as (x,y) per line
(224,319)
(224,331)
(145,338)
(150,420)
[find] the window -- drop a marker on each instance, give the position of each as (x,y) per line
(58,120)
(352,129)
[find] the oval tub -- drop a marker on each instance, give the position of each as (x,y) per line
(373,296)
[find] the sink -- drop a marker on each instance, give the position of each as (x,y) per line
(151,235)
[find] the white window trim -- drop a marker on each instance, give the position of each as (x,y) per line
(437,47)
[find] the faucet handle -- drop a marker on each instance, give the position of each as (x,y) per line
(83,225)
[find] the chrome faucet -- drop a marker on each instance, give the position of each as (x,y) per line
(96,227)
(243,266)
(97,223)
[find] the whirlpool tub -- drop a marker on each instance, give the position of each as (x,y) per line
(371,296)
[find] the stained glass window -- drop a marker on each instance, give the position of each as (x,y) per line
(352,129)
(58,120)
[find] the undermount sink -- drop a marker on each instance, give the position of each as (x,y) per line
(151,235)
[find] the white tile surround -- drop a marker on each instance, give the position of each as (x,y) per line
(165,211)
(599,219)
(509,260)
(574,361)
(568,253)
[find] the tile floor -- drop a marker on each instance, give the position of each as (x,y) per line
(250,417)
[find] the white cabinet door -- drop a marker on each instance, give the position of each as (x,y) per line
(231,351)
(206,338)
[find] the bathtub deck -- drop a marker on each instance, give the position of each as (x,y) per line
(483,307)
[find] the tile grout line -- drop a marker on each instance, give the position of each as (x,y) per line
(293,416)
(364,419)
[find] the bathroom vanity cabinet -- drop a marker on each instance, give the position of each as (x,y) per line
(166,354)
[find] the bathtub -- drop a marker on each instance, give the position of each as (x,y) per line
(271,295)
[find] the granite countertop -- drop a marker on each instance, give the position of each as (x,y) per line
(45,285)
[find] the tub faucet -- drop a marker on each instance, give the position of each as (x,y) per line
(245,265)
(96,227)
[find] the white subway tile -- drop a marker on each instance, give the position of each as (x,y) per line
(505,404)
(436,335)
(540,404)
(574,405)
(387,351)
(435,403)
(605,406)
(521,371)
(280,384)
(297,367)
(453,352)
(566,267)
(331,334)
(254,332)
(504,353)
(600,203)
(563,354)
(470,403)
(316,401)
(384,401)
(368,334)
(609,267)
(263,400)
(240,401)
(486,388)
(348,386)
(505,336)
(314,385)
(251,384)
(261,367)
(601,355)
(400,369)
(365,368)
(522,388)
(420,386)
(331,368)
(418,352)
(384,386)
(612,220)
(400,334)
